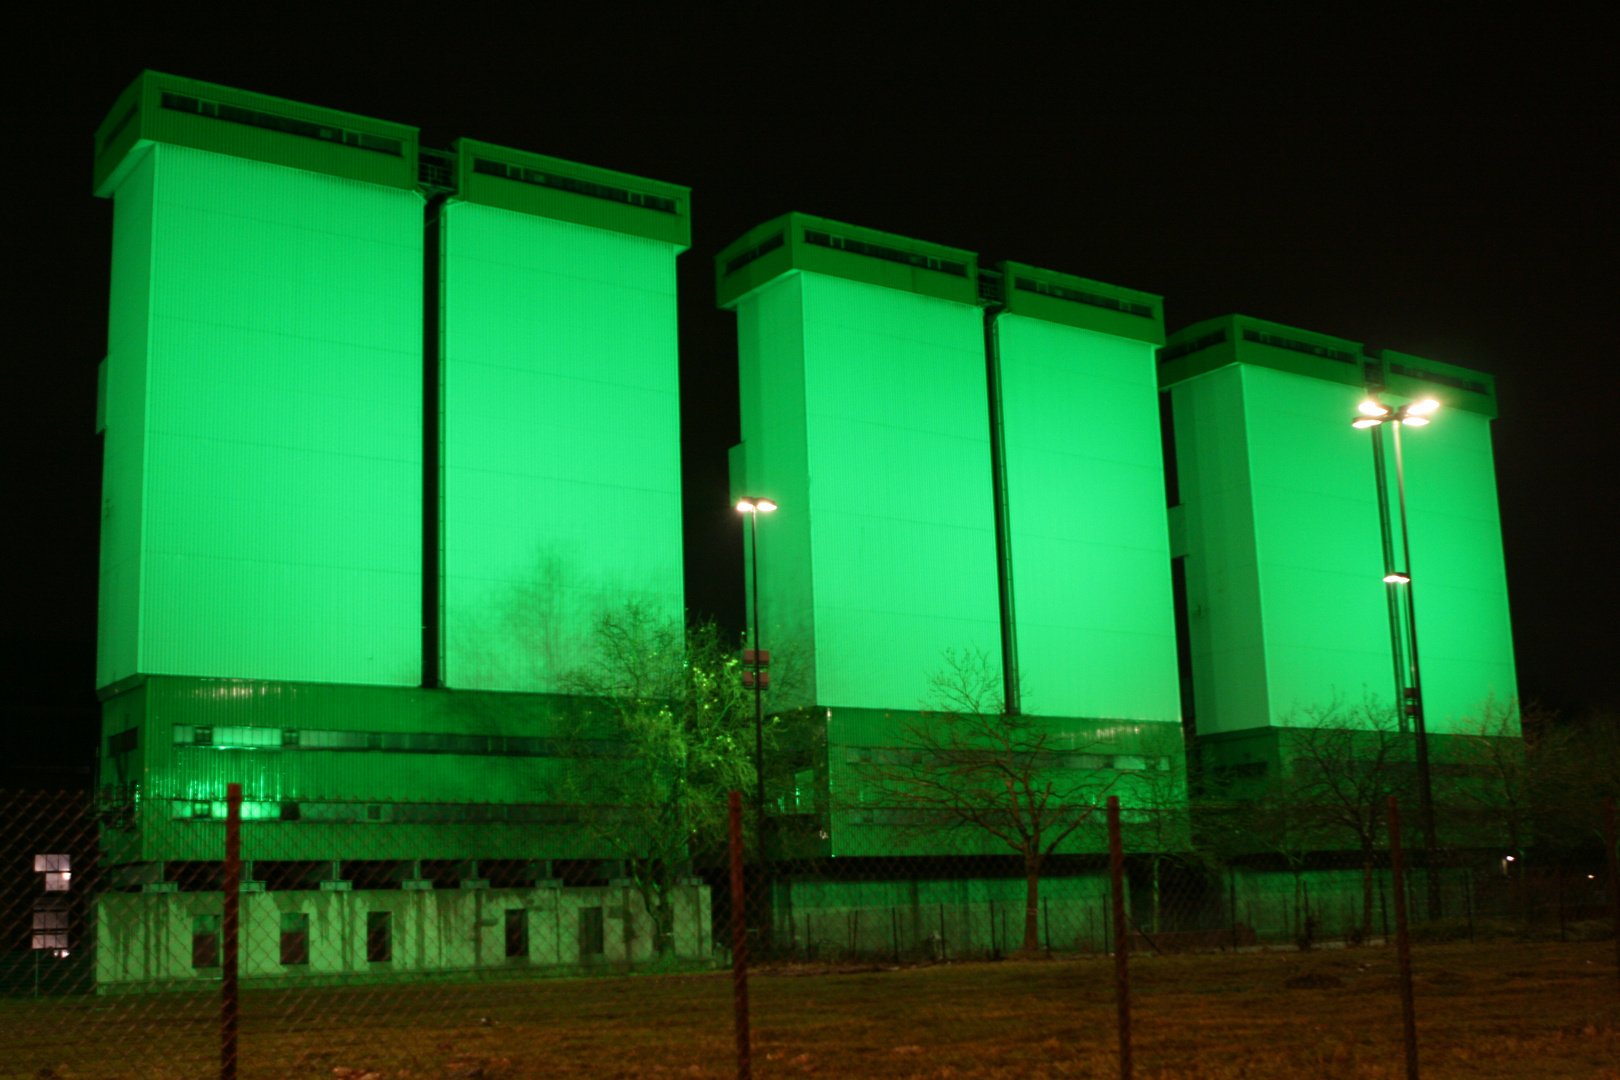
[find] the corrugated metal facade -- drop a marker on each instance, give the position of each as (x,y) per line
(865,415)
(123,479)
(561,441)
(1464,633)
(277,423)
(1315,530)
(1089,551)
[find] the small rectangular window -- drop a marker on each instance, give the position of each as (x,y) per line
(517,933)
(379,936)
(50,928)
(294,938)
(205,941)
(592,941)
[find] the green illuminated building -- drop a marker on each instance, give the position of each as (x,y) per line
(1279,536)
(965,460)
(385,429)
(388,427)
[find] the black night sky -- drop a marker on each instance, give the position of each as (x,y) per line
(1447,190)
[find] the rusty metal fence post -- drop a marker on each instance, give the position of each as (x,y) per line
(1403,946)
(230,924)
(739,941)
(1122,945)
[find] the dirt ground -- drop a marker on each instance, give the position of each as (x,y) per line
(1505,1011)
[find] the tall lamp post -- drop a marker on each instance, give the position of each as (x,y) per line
(754,665)
(1398,580)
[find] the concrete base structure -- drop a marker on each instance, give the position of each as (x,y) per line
(168,940)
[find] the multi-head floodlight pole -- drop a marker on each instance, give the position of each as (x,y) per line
(1419,728)
(1408,682)
(1391,586)
(753,508)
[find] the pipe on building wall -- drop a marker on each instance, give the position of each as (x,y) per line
(432,441)
(1012,704)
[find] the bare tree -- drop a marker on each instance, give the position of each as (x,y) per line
(1267,819)
(1341,765)
(1497,782)
(1574,764)
(664,731)
(1154,784)
(968,765)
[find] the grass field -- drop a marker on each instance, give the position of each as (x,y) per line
(1508,1011)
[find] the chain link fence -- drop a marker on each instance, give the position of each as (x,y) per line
(125,956)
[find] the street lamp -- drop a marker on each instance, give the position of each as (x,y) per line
(1398,579)
(753,508)
(754,664)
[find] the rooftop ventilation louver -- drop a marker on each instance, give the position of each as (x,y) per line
(1185,348)
(574,184)
(235,114)
(879,251)
(764,247)
(1078,296)
(1470,385)
(1277,341)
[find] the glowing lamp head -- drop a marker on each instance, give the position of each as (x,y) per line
(1365,422)
(745,506)
(764,506)
(1422,408)
(755,506)
(1414,421)
(1372,408)
(1397,578)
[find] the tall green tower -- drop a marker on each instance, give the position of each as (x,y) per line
(864,417)
(561,432)
(1279,528)
(966,462)
(262,408)
(386,430)
(1085,548)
